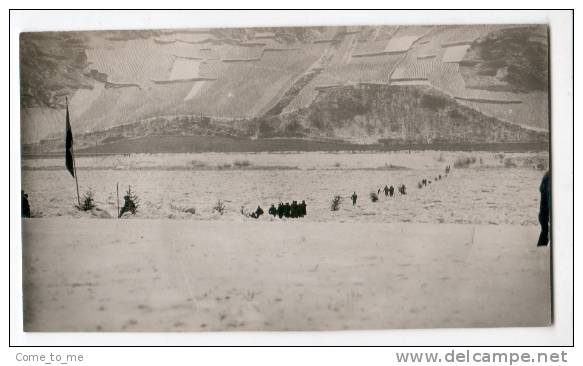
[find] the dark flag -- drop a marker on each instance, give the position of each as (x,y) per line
(69,146)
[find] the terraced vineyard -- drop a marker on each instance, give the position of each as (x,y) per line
(528,110)
(413,68)
(230,53)
(241,90)
(370,69)
(292,61)
(240,75)
(371,48)
(186,50)
(360,72)
(381,33)
(328,35)
(184,37)
(138,62)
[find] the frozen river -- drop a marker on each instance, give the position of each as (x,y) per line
(496,189)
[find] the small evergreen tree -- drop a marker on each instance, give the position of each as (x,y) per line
(88,202)
(336,202)
(220,207)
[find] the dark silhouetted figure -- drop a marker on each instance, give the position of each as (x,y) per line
(287,210)
(257,213)
(25,205)
(386,189)
(402,189)
(280,210)
(419,185)
(544,214)
(379,192)
(425,182)
(354,197)
(272,210)
(391,191)
(294,210)
(128,206)
(303,209)
(439,177)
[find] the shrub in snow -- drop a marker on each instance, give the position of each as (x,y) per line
(336,202)
(88,202)
(464,161)
(509,163)
(220,207)
(242,163)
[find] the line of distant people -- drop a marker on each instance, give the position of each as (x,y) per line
(389,191)
(424,182)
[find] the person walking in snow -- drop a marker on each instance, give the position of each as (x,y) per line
(544,214)
(272,210)
(25,205)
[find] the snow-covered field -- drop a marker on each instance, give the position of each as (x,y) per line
(497,189)
(460,252)
(175,275)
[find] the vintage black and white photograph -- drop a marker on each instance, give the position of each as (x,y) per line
(286,179)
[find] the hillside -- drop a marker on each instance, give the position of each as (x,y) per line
(341,118)
(354,84)
(371,113)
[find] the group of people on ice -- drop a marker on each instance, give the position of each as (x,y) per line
(390,191)
(293,210)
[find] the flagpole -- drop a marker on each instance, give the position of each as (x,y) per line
(73,156)
(117,194)
(75,170)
